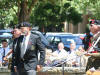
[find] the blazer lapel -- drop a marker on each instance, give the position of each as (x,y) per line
(21,41)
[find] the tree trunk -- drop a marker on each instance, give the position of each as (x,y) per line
(84,23)
(23,14)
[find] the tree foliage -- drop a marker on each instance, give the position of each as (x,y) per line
(20,10)
(88,7)
(45,13)
(51,15)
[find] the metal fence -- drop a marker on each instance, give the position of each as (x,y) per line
(53,71)
(62,71)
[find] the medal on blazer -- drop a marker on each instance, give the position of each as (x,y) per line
(32,47)
(29,43)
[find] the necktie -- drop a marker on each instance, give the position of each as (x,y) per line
(3,55)
(23,48)
(59,51)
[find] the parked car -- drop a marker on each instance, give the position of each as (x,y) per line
(43,39)
(5,34)
(66,39)
(56,33)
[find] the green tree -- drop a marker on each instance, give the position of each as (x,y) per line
(16,10)
(90,7)
(45,13)
(51,15)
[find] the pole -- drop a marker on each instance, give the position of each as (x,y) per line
(63,69)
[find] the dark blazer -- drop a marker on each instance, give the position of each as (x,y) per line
(13,47)
(30,59)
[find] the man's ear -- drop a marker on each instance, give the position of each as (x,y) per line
(30,28)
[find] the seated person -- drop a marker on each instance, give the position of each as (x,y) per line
(72,57)
(58,55)
(81,59)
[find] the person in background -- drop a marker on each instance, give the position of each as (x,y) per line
(3,52)
(16,33)
(61,53)
(72,54)
(57,56)
(81,59)
(87,40)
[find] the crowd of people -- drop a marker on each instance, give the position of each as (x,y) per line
(24,49)
(72,58)
(87,56)
(29,54)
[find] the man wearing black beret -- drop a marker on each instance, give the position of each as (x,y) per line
(28,46)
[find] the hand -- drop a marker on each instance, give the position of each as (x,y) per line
(39,67)
(74,63)
(88,54)
(5,62)
(15,68)
(5,58)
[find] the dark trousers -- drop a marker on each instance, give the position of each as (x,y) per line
(93,62)
(14,73)
(29,72)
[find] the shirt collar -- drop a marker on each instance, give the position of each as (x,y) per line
(26,37)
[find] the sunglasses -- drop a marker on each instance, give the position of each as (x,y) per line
(91,25)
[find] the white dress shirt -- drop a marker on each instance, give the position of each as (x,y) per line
(24,45)
(7,49)
(59,55)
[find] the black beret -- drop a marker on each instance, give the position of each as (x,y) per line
(24,24)
(16,26)
(96,22)
(4,40)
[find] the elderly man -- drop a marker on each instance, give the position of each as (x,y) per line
(26,52)
(58,55)
(94,60)
(61,53)
(72,54)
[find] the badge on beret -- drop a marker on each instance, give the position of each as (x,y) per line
(22,24)
(25,24)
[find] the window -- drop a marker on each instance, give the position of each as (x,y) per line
(56,40)
(50,38)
